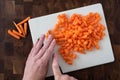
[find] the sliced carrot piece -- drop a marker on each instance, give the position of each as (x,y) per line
(70,62)
(74,56)
(25,28)
(21,28)
(24,21)
(67,58)
(17,33)
(17,27)
(13,35)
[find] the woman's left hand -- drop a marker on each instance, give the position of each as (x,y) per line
(37,63)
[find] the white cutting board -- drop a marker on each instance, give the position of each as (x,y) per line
(41,25)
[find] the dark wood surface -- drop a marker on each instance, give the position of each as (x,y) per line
(13,52)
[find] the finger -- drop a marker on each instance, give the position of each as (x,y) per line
(38,45)
(49,51)
(56,70)
(44,48)
(31,52)
(72,78)
(65,77)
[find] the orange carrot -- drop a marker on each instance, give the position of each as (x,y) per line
(48,33)
(70,62)
(23,21)
(77,33)
(74,56)
(13,35)
(67,58)
(17,33)
(25,28)
(21,28)
(17,27)
(22,31)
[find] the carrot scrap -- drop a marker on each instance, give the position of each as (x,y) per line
(21,28)
(25,28)
(17,33)
(17,27)
(77,34)
(22,31)
(23,21)
(13,35)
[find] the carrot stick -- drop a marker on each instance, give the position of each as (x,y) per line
(23,21)
(17,33)
(17,27)
(25,28)
(21,28)
(13,35)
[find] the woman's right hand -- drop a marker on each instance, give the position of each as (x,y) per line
(57,73)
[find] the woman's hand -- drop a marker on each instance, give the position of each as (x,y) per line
(57,73)
(37,63)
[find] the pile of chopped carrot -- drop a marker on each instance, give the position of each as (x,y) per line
(77,34)
(21,29)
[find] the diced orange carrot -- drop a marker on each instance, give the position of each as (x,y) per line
(70,62)
(22,29)
(77,33)
(67,58)
(74,56)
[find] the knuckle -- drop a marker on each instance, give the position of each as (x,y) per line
(35,58)
(43,49)
(36,47)
(39,63)
(49,50)
(43,62)
(44,46)
(55,65)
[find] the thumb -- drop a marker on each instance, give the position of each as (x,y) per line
(56,70)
